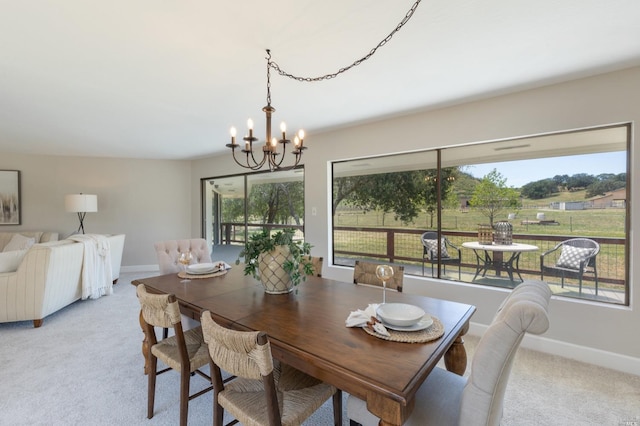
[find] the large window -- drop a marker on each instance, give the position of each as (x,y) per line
(528,195)
(236,206)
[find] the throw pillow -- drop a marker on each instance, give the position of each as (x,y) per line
(9,261)
(571,257)
(19,242)
(432,247)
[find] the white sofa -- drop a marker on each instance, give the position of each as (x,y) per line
(48,279)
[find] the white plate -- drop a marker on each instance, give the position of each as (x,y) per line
(424,323)
(202,268)
(400,314)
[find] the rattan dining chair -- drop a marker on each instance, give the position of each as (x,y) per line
(264,392)
(184,351)
(447,399)
(365,273)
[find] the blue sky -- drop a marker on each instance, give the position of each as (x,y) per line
(519,173)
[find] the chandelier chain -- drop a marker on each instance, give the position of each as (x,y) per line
(275,66)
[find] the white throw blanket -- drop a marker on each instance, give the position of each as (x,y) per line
(97,278)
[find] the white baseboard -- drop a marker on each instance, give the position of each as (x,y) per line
(598,357)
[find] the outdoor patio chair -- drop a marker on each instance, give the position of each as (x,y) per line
(365,273)
(573,259)
(450,254)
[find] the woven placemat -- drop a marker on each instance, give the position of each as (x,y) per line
(183,274)
(433,332)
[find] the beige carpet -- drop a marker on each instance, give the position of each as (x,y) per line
(84,367)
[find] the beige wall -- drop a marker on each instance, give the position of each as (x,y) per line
(595,333)
(145,199)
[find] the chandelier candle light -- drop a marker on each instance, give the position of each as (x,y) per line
(270,148)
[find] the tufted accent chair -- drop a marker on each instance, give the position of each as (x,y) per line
(169,251)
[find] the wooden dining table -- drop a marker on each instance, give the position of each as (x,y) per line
(307,330)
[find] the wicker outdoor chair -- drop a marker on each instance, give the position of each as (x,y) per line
(573,259)
(448,252)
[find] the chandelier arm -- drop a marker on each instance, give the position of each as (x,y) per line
(257,165)
(384,41)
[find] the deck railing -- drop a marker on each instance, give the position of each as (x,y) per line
(403,246)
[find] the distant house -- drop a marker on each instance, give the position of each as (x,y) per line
(569,205)
(613,199)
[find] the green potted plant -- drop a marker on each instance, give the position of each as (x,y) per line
(277,260)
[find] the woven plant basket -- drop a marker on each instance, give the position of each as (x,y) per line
(272,275)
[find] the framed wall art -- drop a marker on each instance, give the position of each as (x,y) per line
(10,213)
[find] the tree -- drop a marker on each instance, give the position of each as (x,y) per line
(539,189)
(277,202)
(403,193)
(580,181)
(492,196)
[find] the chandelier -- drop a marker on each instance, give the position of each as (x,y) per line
(270,148)
(270,152)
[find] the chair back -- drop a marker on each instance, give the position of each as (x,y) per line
(430,244)
(158,310)
(243,354)
(237,352)
(365,273)
(316,265)
(169,251)
(584,243)
(524,311)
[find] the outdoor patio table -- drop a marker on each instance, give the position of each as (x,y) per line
(485,261)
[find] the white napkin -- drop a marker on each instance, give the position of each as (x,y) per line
(221,265)
(363,318)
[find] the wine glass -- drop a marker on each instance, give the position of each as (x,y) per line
(384,273)
(185,259)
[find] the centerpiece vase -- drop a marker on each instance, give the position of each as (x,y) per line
(272,274)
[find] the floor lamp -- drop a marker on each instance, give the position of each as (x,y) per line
(81,204)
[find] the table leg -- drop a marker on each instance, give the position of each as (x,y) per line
(455,360)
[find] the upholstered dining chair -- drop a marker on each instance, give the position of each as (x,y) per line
(365,273)
(169,251)
(449,253)
(446,399)
(185,351)
(264,392)
(573,259)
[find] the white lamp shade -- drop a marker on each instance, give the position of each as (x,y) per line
(81,203)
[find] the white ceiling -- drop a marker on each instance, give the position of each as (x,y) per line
(166,79)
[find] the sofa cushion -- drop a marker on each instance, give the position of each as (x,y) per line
(432,247)
(10,260)
(19,242)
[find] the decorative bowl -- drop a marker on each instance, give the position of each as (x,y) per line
(401,314)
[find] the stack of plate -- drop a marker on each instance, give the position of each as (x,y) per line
(403,317)
(202,268)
